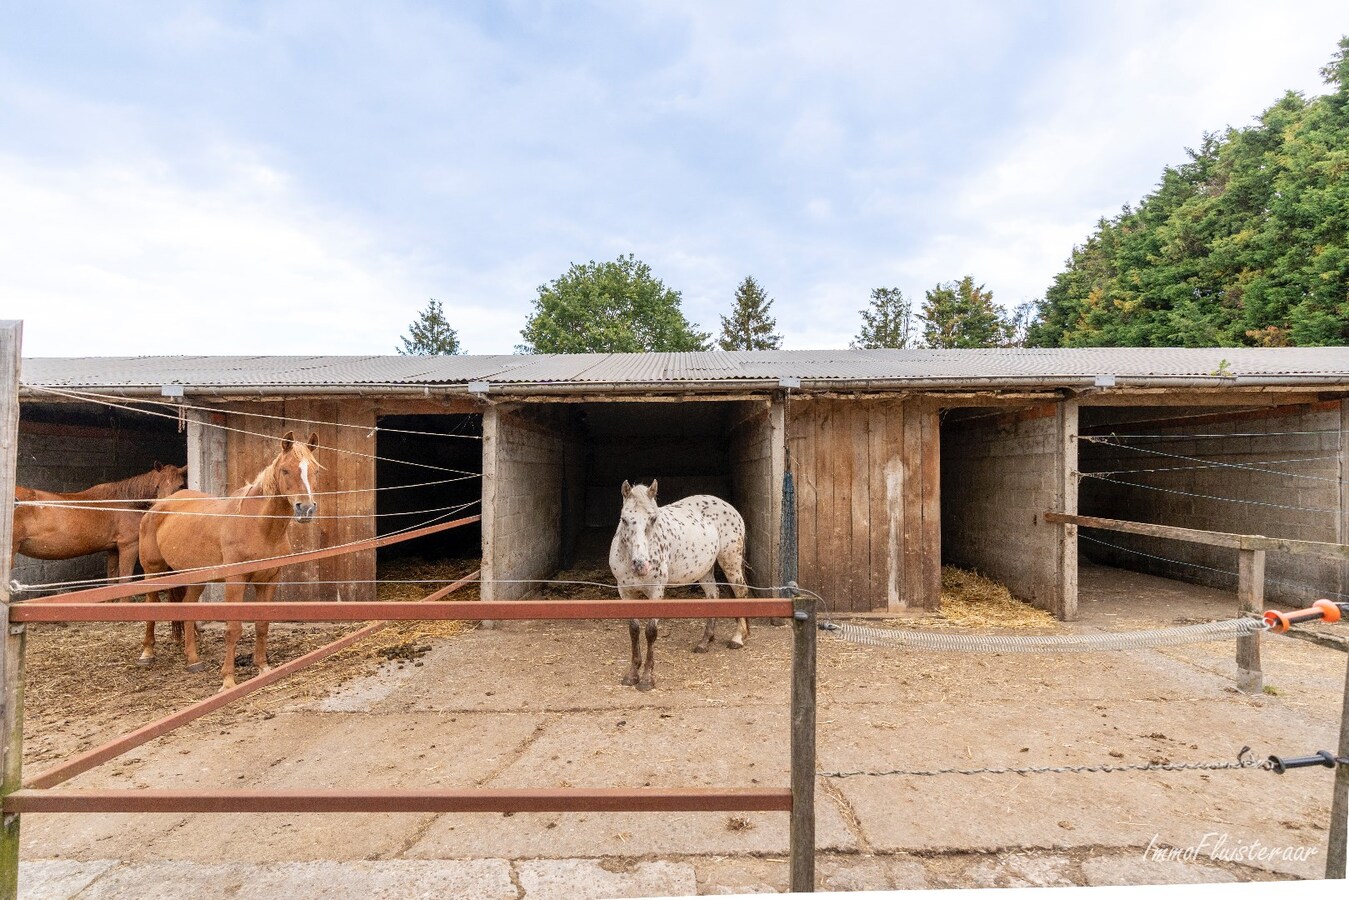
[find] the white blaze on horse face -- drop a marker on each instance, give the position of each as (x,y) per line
(304,477)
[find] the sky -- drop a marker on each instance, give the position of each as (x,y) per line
(302,177)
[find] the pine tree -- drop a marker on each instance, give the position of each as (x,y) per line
(888,323)
(961,314)
(430,334)
(749,326)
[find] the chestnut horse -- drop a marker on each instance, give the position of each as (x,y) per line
(676,544)
(103,517)
(192,530)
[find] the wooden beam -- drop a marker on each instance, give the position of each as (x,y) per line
(1250,600)
(1210,538)
(801,838)
(12,641)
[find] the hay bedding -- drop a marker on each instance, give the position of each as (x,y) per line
(83,686)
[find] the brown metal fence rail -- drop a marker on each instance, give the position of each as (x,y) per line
(35,795)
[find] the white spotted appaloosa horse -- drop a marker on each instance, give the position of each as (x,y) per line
(676,544)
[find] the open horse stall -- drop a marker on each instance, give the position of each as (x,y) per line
(899,460)
(68,446)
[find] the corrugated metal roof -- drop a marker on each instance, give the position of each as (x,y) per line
(893,366)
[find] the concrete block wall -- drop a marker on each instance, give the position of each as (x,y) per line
(523,475)
(1306,441)
(66,456)
(1000,471)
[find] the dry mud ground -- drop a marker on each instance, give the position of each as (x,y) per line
(540,704)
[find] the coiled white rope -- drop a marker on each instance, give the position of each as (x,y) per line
(1044,643)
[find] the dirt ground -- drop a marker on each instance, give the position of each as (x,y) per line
(540,704)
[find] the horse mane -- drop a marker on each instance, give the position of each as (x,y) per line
(264,483)
(137,487)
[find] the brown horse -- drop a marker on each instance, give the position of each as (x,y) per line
(103,517)
(192,530)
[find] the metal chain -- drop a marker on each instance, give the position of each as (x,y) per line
(1244,760)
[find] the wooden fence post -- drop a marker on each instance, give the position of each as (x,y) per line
(11,642)
(1339,804)
(802,834)
(1250,599)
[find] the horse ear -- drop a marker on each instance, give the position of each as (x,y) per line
(627,490)
(652,490)
(159,466)
(287,440)
(313,440)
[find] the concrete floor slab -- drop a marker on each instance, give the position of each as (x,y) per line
(582,879)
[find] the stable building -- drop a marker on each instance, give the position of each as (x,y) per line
(899,460)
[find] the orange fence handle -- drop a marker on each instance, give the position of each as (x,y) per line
(1279,622)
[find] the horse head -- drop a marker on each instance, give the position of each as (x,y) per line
(294,469)
(636,525)
(169,479)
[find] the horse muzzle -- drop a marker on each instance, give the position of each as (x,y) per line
(304,512)
(641,567)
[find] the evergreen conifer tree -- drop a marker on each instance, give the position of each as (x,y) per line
(888,323)
(749,326)
(430,334)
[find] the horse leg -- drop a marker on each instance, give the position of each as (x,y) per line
(147,657)
(234,593)
(710,626)
(733,564)
(648,679)
(194,664)
(634,634)
(262,593)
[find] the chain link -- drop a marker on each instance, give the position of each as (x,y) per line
(1244,760)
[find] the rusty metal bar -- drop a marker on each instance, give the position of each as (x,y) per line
(28,800)
(451,588)
(37,611)
(215,573)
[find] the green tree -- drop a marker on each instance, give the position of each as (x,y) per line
(749,326)
(887,324)
(962,314)
(1245,243)
(609,307)
(430,334)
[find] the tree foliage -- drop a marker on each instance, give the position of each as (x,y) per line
(749,326)
(430,334)
(887,324)
(962,314)
(1246,243)
(609,307)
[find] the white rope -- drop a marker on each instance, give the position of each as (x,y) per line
(95,504)
(357,453)
(1045,643)
(1214,463)
(170,513)
(169,404)
(1153,487)
(1230,434)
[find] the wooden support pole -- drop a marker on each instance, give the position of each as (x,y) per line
(1339,804)
(1250,600)
(802,835)
(1065,604)
(12,641)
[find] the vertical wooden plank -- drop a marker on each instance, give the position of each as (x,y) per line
(808,497)
(777,454)
(1342,520)
(843,559)
(860,497)
(801,836)
(929,547)
(491,424)
(1250,599)
(878,453)
(913,505)
(12,642)
(894,506)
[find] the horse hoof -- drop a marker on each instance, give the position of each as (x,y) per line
(700,648)
(645,686)
(145,662)
(196,667)
(629,680)
(734,645)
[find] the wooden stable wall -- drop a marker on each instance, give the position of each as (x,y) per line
(347,455)
(868,508)
(756,465)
